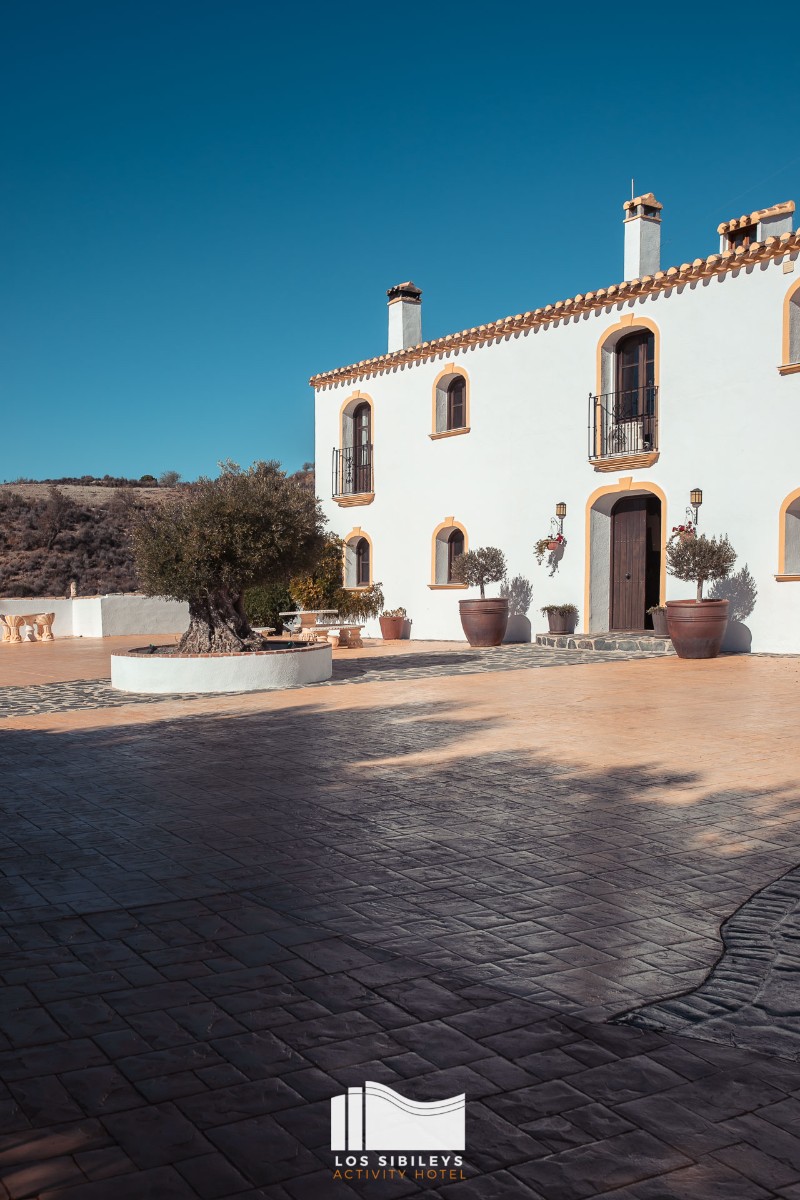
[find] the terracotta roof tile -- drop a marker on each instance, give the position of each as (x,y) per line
(701,268)
(754,217)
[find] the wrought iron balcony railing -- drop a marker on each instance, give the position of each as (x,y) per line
(351,471)
(622,423)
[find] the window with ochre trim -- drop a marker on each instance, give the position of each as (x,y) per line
(357,562)
(451,403)
(794,328)
(791,530)
(450,544)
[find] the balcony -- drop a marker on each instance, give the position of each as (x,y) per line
(351,476)
(623,429)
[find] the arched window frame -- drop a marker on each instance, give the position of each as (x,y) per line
(606,384)
(789,539)
(441,407)
(350,560)
(790,352)
(362,477)
(440,554)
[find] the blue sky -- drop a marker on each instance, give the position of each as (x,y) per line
(204,201)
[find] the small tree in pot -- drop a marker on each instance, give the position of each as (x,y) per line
(697,626)
(483,621)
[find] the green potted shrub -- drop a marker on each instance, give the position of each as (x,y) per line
(561,618)
(483,621)
(658,615)
(393,621)
(698,626)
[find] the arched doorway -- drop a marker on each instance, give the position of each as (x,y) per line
(635,580)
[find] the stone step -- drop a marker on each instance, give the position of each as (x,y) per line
(636,641)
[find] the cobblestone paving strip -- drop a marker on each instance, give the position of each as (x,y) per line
(752,996)
(97,693)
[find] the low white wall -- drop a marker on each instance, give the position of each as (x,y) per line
(27,605)
(142,614)
(265,671)
(87,617)
(105,616)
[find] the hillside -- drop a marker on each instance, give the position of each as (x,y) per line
(52,534)
(55,531)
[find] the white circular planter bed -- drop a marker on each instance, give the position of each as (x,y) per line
(159,673)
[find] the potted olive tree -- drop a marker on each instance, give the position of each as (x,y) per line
(698,626)
(483,621)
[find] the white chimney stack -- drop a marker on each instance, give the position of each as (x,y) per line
(642,236)
(405,316)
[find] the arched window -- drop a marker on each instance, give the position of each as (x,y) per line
(456,402)
(362,446)
(455,548)
(635,376)
(449,541)
(352,460)
(791,328)
(789,546)
(450,403)
(357,559)
(623,415)
(362,562)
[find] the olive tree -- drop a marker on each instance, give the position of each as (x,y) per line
(698,559)
(476,568)
(217,537)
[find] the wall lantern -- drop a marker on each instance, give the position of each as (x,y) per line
(696,499)
(561,512)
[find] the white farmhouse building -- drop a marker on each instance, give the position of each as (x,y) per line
(692,375)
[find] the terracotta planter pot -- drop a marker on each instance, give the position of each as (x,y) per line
(697,627)
(660,624)
(392,628)
(553,545)
(484,621)
(558,624)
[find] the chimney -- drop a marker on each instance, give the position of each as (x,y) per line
(642,236)
(405,316)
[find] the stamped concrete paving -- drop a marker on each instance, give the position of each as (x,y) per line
(218,915)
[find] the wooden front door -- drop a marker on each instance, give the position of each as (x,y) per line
(635,561)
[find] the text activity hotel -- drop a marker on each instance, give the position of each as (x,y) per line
(617,402)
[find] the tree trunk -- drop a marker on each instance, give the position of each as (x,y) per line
(700,583)
(218,625)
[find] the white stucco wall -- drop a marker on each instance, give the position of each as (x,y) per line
(729,423)
(142,614)
(105,616)
(29,606)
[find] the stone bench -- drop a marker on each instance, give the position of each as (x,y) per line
(39,627)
